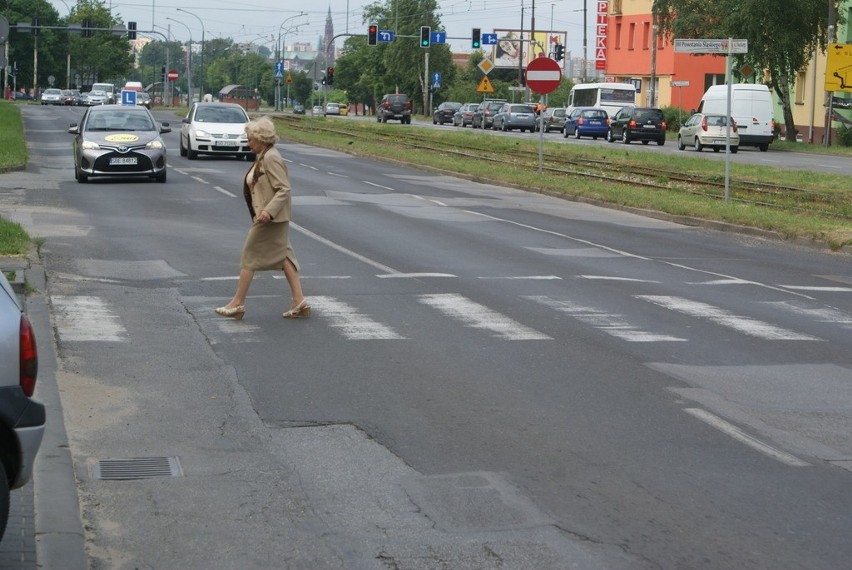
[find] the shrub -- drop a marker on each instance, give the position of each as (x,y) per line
(675,117)
(844,135)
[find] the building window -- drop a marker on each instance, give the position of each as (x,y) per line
(631,36)
(713,79)
(616,6)
(646,35)
(618,35)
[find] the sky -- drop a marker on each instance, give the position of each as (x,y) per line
(259,21)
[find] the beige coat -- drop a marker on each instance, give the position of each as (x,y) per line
(267,245)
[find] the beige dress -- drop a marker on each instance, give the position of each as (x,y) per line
(267,244)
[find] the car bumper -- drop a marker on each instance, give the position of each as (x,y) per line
(94,163)
(592,131)
(26,418)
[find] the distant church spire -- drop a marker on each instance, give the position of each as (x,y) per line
(329,33)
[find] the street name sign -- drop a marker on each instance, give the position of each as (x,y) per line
(710,46)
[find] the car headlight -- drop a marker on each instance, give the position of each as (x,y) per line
(90,145)
(202,134)
(154,144)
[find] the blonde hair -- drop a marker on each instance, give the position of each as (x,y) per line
(262,129)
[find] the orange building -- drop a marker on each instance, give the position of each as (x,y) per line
(624,51)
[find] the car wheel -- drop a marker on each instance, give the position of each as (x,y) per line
(609,136)
(625,138)
(734,149)
(661,142)
(4,501)
(645,142)
(80,176)
(182,148)
(504,127)
(577,134)
(564,133)
(191,154)
(680,145)
(161,177)
(697,145)
(763,147)
(715,149)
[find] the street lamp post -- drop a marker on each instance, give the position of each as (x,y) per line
(283,46)
(201,65)
(280,50)
(188,60)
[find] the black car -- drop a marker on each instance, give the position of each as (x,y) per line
(644,124)
(483,117)
(444,112)
(395,106)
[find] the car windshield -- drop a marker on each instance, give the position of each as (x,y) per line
(119,122)
(219,115)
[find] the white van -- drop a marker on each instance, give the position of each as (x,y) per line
(751,108)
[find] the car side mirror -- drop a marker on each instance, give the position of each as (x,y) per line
(74,129)
(165,128)
(185,120)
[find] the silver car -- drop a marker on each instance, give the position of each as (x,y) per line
(514,116)
(707,130)
(52,97)
(96,97)
(22,419)
(119,141)
(215,129)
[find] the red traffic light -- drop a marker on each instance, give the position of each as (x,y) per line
(372,35)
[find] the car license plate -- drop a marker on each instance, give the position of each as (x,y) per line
(122,160)
(226,143)
(649,126)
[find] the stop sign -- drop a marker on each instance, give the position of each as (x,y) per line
(543,75)
(172,75)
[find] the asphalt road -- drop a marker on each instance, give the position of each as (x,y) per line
(490,378)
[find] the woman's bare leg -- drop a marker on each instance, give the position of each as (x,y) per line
(292,275)
(246,276)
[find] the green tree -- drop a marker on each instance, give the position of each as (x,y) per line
(104,56)
(781,39)
(51,45)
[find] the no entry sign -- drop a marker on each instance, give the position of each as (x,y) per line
(543,75)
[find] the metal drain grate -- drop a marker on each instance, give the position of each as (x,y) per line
(137,468)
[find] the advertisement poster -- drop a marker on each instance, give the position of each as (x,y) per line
(512,45)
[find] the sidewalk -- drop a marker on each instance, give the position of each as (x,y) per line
(44,530)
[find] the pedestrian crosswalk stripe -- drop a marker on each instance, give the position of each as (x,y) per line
(84,318)
(478,316)
(746,325)
(610,323)
(351,323)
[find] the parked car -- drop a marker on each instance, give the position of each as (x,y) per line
(119,141)
(344,109)
(216,129)
(52,97)
(706,130)
(644,124)
(68,97)
(396,106)
(464,115)
(444,112)
(21,96)
(143,99)
(514,116)
(483,117)
(96,97)
(552,118)
(586,122)
(318,110)
(332,109)
(298,109)
(22,418)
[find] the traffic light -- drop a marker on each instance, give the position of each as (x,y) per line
(131,30)
(425,36)
(163,74)
(559,52)
(34,29)
(329,76)
(372,35)
(476,38)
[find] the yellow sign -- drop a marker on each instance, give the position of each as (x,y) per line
(121,137)
(289,78)
(485,86)
(838,68)
(485,65)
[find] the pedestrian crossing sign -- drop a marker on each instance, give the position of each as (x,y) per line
(485,86)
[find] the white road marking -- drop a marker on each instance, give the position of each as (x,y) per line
(477,316)
(225,192)
(197,179)
(413,275)
(524,277)
(733,281)
(608,278)
(742,437)
(340,248)
(311,166)
(821,314)
(609,323)
(351,323)
(227,278)
(336,174)
(826,289)
(378,185)
(84,318)
(746,325)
